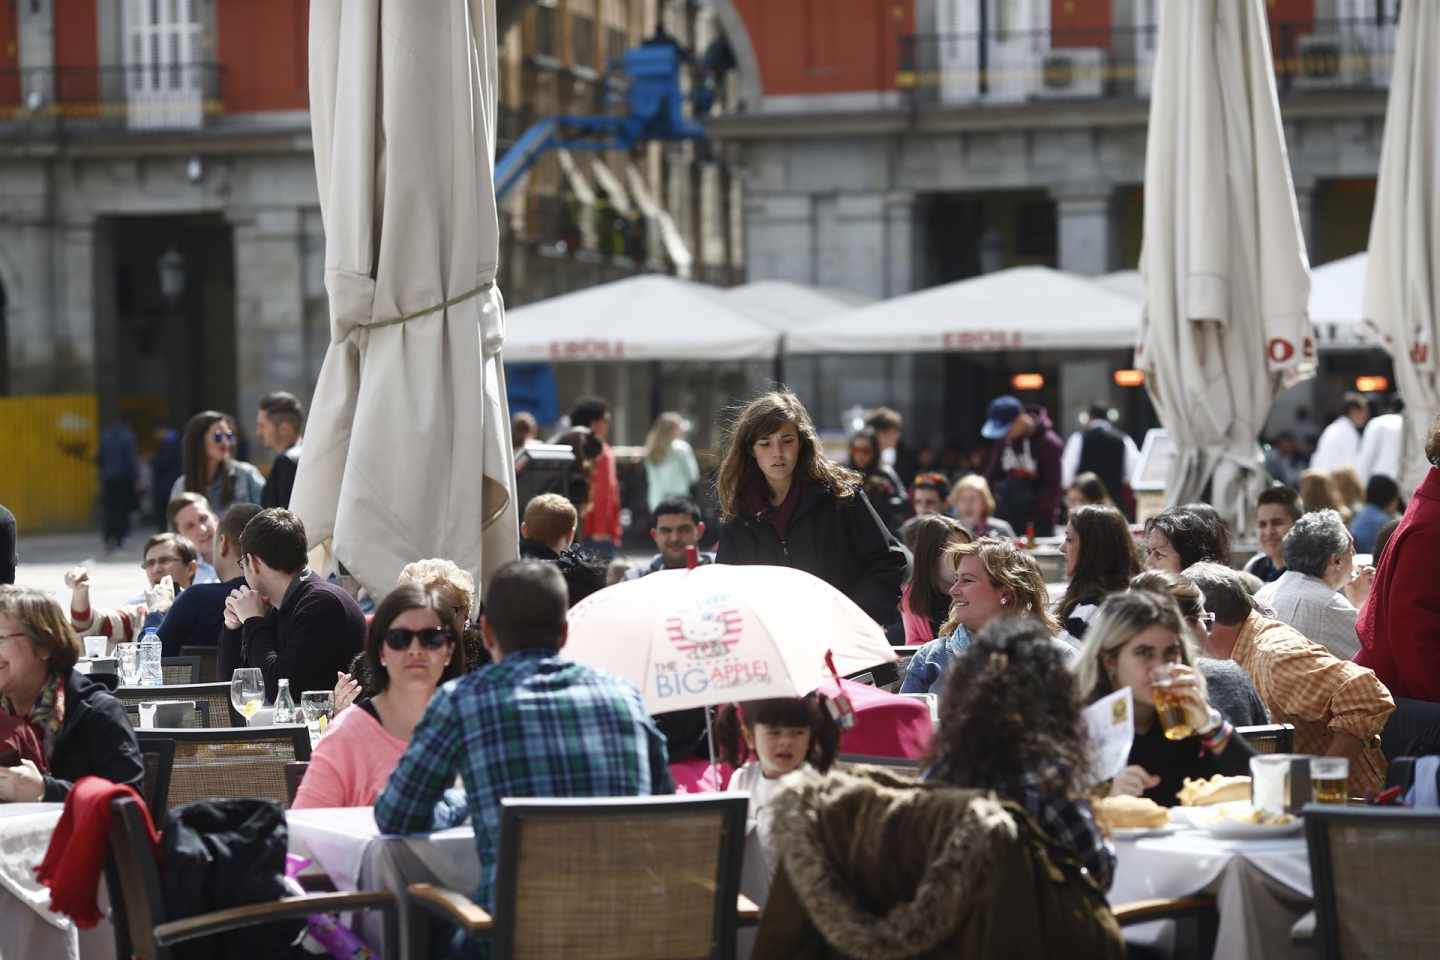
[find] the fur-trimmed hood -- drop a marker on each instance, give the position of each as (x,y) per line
(911,854)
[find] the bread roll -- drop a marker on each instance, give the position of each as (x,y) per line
(1119,812)
(1218,789)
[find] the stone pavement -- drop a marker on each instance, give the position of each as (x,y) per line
(114,578)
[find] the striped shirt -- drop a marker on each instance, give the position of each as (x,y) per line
(532,725)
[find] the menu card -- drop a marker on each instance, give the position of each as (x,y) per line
(1110,723)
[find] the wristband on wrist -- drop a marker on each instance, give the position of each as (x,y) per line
(1214,742)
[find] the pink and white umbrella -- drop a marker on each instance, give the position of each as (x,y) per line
(721,633)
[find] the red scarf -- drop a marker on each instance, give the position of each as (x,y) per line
(758,501)
(71,868)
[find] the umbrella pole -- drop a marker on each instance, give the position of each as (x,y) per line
(710,737)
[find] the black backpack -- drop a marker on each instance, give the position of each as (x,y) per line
(216,854)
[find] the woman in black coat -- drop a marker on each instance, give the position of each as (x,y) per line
(67,727)
(785,504)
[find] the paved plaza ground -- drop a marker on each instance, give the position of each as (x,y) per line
(114,578)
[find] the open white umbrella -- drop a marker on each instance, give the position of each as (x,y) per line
(1224,262)
(648,317)
(407,452)
(785,306)
(1023,308)
(1402,298)
(721,634)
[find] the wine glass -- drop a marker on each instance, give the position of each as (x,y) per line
(318,706)
(247,691)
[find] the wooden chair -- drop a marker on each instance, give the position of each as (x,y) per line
(194,719)
(294,773)
(646,877)
(158,757)
(180,670)
(1371,868)
(209,658)
(217,695)
(1269,737)
(138,909)
(225,762)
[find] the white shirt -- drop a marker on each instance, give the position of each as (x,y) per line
(1070,459)
(1316,609)
(1338,446)
(1380,447)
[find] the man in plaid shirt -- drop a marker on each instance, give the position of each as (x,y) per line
(1338,707)
(530,725)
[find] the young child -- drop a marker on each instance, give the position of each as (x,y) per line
(766,739)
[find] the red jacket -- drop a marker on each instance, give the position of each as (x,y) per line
(1399,625)
(71,868)
(603,517)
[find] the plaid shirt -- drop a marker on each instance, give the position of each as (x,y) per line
(1071,822)
(533,725)
(1303,683)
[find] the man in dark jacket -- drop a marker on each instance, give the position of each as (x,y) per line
(278,425)
(291,623)
(197,618)
(1102,449)
(1024,471)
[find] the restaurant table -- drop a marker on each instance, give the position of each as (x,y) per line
(1261,886)
(28,930)
(348,847)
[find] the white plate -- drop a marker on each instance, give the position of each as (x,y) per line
(1135,833)
(1217,824)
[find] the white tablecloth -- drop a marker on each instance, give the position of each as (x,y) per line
(1261,886)
(347,845)
(28,930)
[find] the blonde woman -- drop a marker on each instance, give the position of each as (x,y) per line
(785,504)
(993,579)
(974,503)
(670,467)
(1133,634)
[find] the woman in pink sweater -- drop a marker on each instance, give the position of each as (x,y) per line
(413,647)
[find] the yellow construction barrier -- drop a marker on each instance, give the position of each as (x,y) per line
(48,474)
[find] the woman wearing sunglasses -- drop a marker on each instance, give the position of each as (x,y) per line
(210,465)
(412,648)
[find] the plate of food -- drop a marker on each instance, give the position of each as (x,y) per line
(1238,820)
(1130,818)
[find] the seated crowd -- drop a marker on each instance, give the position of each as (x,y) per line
(425,697)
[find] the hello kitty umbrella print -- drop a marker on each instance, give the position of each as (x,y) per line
(720,634)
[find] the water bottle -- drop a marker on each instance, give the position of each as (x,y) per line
(285,711)
(150,673)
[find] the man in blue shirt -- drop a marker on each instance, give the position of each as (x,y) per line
(531,724)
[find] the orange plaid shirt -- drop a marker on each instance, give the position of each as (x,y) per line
(1303,683)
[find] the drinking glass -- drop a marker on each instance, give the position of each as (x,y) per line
(1330,779)
(247,690)
(96,646)
(1169,706)
(318,706)
(129,656)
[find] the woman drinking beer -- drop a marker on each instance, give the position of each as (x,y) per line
(1138,640)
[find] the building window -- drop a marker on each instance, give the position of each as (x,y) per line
(162,65)
(616,43)
(546,17)
(582,41)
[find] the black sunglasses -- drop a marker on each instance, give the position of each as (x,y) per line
(431,638)
(222,436)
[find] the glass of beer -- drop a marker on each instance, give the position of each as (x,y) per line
(1169,703)
(1330,779)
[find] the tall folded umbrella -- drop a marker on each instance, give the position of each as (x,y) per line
(1402,299)
(407,451)
(1226,276)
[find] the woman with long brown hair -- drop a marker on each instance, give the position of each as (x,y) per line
(210,467)
(925,601)
(784,503)
(1100,559)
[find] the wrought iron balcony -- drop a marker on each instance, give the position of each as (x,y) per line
(160,96)
(991,66)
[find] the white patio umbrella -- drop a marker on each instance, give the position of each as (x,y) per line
(1402,290)
(1226,276)
(722,633)
(407,452)
(785,306)
(1023,308)
(648,317)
